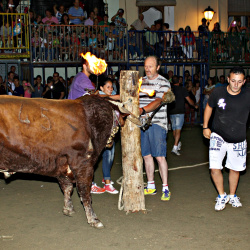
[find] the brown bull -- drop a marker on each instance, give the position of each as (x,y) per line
(57,138)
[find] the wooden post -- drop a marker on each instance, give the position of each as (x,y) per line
(132,164)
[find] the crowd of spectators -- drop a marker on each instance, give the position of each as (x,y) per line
(64,33)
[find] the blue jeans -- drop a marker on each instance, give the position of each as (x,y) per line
(177,121)
(133,49)
(107,161)
(154,141)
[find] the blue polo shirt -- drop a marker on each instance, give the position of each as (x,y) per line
(75,12)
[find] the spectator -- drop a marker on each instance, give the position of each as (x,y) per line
(18,91)
(49,49)
(66,47)
(59,13)
(100,46)
(48,93)
(120,46)
(75,43)
(176,47)
(10,83)
(207,91)
(132,45)
(38,19)
(151,40)
(2,86)
(119,21)
(76,14)
(32,17)
(36,43)
(96,15)
(139,25)
(203,28)
(6,34)
(58,89)
(166,38)
(28,89)
(189,109)
(105,21)
(106,88)
(216,27)
(90,20)
(222,82)
(188,40)
(235,44)
(177,112)
(93,43)
(13,69)
(49,19)
(38,87)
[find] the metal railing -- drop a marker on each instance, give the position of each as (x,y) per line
(14,35)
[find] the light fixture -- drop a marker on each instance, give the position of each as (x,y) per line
(208,14)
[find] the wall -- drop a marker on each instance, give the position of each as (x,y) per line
(186,12)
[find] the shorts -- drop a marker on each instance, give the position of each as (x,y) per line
(154,141)
(177,121)
(236,153)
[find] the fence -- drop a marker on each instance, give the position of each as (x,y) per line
(14,35)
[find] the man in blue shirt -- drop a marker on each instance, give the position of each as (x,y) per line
(76,14)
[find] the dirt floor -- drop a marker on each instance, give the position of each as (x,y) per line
(31,210)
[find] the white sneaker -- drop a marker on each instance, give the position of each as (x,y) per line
(235,201)
(221,202)
(179,146)
(175,151)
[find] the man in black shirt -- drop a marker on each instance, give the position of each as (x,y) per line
(232,106)
(177,112)
(58,87)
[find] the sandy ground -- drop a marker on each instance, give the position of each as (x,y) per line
(31,211)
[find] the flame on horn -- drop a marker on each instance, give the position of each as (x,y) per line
(96,65)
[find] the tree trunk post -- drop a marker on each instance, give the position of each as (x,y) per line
(132,164)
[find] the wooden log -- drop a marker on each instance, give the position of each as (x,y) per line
(132,164)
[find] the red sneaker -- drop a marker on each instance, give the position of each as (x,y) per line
(97,190)
(110,189)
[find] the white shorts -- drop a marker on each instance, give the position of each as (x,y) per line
(236,153)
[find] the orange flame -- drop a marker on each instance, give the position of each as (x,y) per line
(96,65)
(150,92)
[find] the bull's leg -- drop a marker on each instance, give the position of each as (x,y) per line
(67,188)
(83,184)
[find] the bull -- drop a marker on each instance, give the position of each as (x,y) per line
(57,138)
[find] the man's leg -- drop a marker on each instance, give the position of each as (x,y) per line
(217,177)
(233,181)
(177,136)
(163,168)
(149,166)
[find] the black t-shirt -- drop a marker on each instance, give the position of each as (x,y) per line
(231,113)
(57,89)
(178,107)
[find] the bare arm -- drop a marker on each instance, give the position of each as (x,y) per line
(62,95)
(151,106)
(207,114)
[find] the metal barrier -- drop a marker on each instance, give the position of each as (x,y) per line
(14,36)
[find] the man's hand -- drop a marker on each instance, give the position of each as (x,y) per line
(207,133)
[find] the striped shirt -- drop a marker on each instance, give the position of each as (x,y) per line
(160,85)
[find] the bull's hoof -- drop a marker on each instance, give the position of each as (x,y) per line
(97,225)
(68,212)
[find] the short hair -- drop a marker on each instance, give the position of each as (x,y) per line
(122,10)
(39,76)
(84,61)
(105,15)
(48,10)
(166,25)
(203,20)
(10,73)
(157,60)
(237,70)
(15,77)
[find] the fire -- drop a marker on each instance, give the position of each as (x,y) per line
(96,65)
(150,92)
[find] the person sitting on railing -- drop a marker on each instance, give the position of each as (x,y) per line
(132,47)
(59,12)
(188,41)
(76,14)
(49,19)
